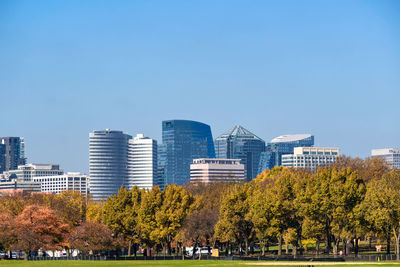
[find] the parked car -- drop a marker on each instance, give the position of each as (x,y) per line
(202,250)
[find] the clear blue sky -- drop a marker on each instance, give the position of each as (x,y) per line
(329,68)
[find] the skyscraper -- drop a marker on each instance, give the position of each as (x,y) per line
(283,145)
(2,157)
(108,162)
(142,162)
(12,153)
(239,143)
(183,141)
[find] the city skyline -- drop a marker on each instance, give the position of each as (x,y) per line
(328,69)
(85,169)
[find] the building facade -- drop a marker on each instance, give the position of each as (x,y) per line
(15,184)
(74,181)
(26,172)
(239,143)
(13,153)
(183,141)
(310,157)
(217,170)
(283,145)
(108,162)
(142,162)
(391,156)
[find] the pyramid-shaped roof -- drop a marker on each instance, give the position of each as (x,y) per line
(239,132)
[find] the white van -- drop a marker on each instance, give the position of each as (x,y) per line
(202,250)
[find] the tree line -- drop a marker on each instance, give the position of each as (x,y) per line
(337,206)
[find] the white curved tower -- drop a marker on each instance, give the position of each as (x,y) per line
(108,161)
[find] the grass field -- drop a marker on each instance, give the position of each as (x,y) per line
(183,263)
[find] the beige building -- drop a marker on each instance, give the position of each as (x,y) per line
(310,157)
(217,170)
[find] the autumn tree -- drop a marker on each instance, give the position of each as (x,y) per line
(382,207)
(330,197)
(235,224)
(199,224)
(7,233)
(281,197)
(92,237)
(94,211)
(175,206)
(39,227)
(120,213)
(261,215)
(147,223)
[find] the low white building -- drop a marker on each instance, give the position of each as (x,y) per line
(28,171)
(310,157)
(217,170)
(391,155)
(74,181)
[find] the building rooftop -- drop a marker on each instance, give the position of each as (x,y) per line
(239,132)
(384,151)
(216,161)
(290,138)
(34,166)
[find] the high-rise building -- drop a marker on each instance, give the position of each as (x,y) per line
(108,162)
(283,145)
(239,143)
(161,164)
(2,157)
(391,155)
(183,141)
(142,162)
(310,157)
(13,153)
(217,170)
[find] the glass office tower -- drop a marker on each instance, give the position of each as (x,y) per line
(183,141)
(283,145)
(239,143)
(108,162)
(12,153)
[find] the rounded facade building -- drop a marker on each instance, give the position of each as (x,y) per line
(108,160)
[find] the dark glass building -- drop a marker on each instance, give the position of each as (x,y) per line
(2,158)
(183,141)
(239,143)
(12,153)
(283,145)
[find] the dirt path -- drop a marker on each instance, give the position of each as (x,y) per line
(317,263)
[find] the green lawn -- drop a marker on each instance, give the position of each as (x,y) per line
(178,263)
